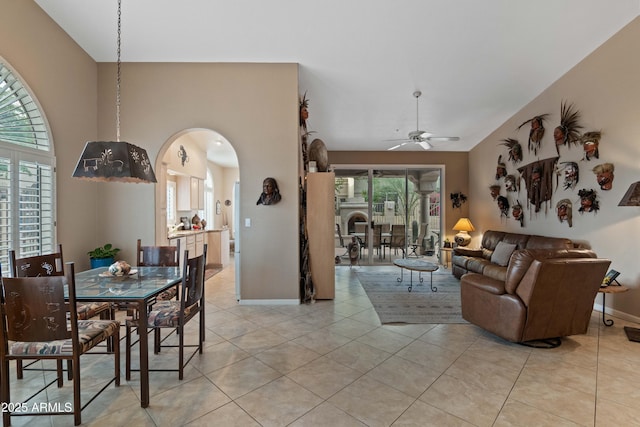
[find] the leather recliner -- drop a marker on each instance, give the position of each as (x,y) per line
(547,294)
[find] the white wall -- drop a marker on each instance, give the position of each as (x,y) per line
(604,88)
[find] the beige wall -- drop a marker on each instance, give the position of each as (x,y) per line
(604,88)
(63,79)
(254,106)
(456,178)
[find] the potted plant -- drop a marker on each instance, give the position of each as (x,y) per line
(103,256)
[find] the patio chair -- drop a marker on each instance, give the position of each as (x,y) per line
(37,323)
(342,243)
(175,314)
(398,238)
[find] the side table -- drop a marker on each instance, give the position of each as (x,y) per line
(445,256)
(611,289)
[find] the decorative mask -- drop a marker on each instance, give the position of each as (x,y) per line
(568,132)
(590,143)
(503,204)
(588,200)
(501,168)
(517,213)
(571,174)
(536,133)
(495,191)
(565,211)
(515,150)
(604,175)
(511,183)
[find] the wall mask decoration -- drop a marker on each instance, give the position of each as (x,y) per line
(536,132)
(568,132)
(515,150)
(503,204)
(501,168)
(604,175)
(564,211)
(571,175)
(590,144)
(518,213)
(495,191)
(588,200)
(538,179)
(457,199)
(304,111)
(511,183)
(270,192)
(182,155)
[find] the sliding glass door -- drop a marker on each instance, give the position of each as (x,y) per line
(391,212)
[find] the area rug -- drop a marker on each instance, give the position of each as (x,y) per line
(395,304)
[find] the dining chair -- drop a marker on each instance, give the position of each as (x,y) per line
(36,322)
(159,256)
(175,314)
(53,265)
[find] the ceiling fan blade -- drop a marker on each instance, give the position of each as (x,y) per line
(425,145)
(443,138)
(397,146)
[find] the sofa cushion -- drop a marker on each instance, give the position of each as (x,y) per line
(502,253)
(495,272)
(477,265)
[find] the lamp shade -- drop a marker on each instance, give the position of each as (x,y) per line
(464,224)
(114,161)
(632,196)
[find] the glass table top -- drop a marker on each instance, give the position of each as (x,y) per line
(145,282)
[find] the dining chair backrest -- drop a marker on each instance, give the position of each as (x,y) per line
(37,265)
(35,309)
(158,256)
(193,277)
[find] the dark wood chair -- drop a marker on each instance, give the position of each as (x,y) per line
(174,315)
(36,322)
(159,256)
(53,265)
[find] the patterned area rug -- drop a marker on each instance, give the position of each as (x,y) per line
(395,304)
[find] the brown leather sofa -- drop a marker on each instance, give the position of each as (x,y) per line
(483,260)
(546,295)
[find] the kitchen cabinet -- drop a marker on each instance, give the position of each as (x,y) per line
(190,193)
(321,230)
(218,248)
(193,241)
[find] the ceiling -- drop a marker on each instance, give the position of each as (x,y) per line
(476,62)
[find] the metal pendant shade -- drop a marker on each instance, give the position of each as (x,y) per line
(115,161)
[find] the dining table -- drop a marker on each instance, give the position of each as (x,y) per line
(140,287)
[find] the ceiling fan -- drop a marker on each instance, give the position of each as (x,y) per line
(421,137)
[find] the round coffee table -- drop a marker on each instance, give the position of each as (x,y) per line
(415,265)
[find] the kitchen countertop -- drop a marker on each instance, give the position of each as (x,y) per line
(181,233)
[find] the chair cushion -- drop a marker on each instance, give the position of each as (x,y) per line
(502,253)
(91,309)
(168,294)
(166,314)
(90,333)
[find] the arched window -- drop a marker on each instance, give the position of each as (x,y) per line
(27,172)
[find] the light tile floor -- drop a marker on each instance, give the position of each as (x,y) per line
(331,363)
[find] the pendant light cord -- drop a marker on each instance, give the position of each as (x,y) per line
(118,79)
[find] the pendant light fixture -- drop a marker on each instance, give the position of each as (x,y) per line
(115,161)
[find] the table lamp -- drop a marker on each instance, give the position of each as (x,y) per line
(463,226)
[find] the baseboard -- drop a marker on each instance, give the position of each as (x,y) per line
(615,313)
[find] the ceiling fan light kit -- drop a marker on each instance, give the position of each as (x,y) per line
(421,137)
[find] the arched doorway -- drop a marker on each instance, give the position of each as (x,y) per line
(207,160)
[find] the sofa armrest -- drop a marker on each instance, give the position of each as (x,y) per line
(467,251)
